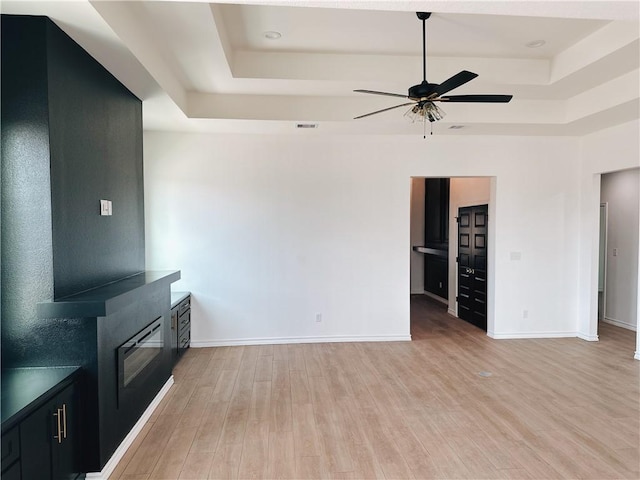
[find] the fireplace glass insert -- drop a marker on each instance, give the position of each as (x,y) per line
(138,357)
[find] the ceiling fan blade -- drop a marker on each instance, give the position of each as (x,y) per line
(476,98)
(384,110)
(382,93)
(455,81)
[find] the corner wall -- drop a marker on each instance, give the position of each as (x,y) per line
(610,150)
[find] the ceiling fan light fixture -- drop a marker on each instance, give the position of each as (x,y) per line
(421,112)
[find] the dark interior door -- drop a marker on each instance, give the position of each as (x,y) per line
(472,265)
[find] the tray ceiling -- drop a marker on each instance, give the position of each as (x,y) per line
(208,66)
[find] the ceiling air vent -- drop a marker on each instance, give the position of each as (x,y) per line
(456,127)
(306,125)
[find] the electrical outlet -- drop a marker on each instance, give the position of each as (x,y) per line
(525,314)
(318,317)
(615,252)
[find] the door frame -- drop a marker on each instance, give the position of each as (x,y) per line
(591,309)
(453,245)
(603,238)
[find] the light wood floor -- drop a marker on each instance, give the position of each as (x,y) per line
(554,408)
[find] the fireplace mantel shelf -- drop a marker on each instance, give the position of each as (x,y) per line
(107,299)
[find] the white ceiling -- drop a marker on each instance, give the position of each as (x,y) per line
(207,67)
(375,32)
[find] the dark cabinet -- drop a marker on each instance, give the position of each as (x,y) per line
(436,236)
(43,443)
(11,453)
(436,277)
(180,326)
(49,443)
(12,473)
(436,213)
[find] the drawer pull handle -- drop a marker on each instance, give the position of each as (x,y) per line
(58,421)
(64,420)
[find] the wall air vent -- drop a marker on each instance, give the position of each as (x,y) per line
(306,125)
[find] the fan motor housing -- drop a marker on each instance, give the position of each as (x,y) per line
(422,90)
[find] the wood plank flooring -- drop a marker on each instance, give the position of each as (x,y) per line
(553,408)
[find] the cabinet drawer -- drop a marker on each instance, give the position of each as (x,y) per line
(185,328)
(185,339)
(184,305)
(184,320)
(10,447)
(13,473)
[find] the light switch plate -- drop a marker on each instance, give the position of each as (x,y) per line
(105,207)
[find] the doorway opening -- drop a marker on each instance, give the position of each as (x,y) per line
(618,254)
(435,246)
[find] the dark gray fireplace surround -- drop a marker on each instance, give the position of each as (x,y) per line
(74,283)
(103,319)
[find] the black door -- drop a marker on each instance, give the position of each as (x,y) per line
(472,265)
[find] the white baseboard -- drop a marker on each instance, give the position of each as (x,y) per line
(436,297)
(452,311)
(619,323)
(588,338)
(512,336)
(110,466)
(637,355)
(286,340)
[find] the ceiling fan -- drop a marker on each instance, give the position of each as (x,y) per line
(424,94)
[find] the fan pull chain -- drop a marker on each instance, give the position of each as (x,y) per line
(424,128)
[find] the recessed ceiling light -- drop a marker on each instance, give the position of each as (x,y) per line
(535,43)
(272,35)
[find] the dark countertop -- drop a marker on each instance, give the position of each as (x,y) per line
(177,297)
(24,388)
(107,299)
(431,251)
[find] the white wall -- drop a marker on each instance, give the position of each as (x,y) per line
(609,150)
(620,190)
(270,230)
(417,234)
(464,192)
